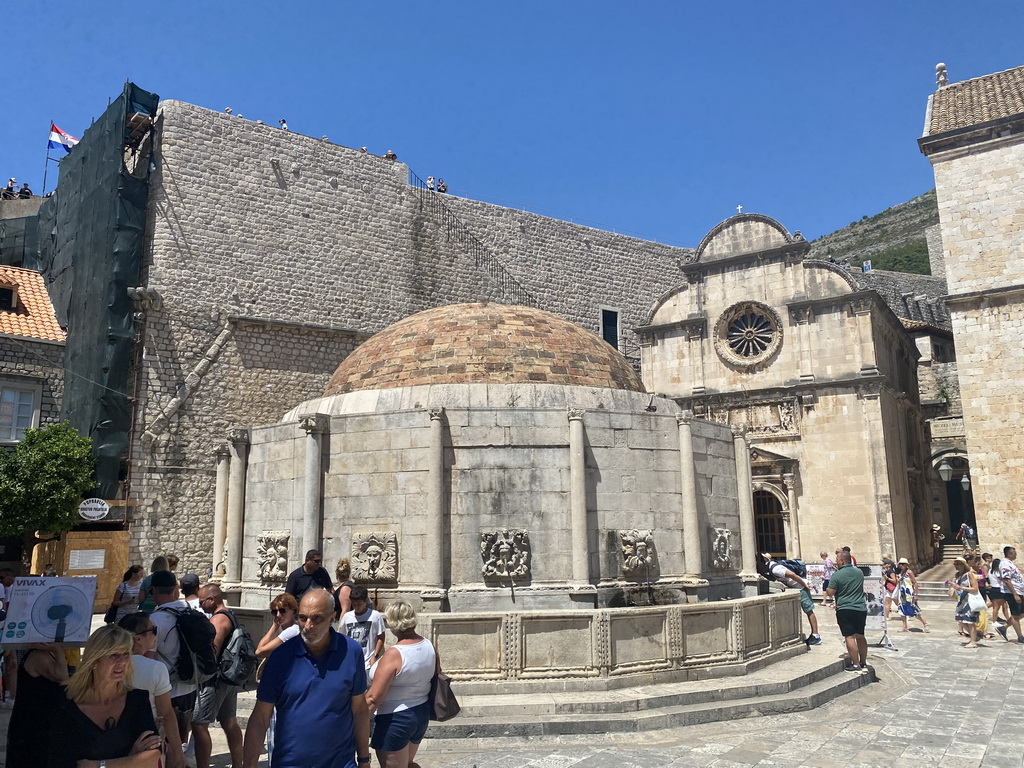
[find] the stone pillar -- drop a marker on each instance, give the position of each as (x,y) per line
(239,437)
(794,520)
(220,509)
(866,347)
(578,498)
(748,531)
(314,424)
(690,520)
(435,557)
(802,317)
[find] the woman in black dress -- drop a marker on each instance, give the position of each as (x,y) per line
(103,720)
(41,677)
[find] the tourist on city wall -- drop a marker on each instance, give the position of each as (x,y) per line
(847,588)
(283,628)
(103,716)
(42,672)
(906,595)
(146,601)
(317,683)
(400,689)
(311,574)
(1013,590)
(342,595)
(963,587)
(126,596)
(151,676)
(890,580)
(776,571)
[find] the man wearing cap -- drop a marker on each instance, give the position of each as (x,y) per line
(309,575)
(787,578)
(164,587)
(11,190)
(190,591)
(847,587)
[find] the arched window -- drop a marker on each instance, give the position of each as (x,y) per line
(771,535)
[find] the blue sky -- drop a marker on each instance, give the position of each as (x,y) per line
(651,118)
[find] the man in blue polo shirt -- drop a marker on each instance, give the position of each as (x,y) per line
(317,682)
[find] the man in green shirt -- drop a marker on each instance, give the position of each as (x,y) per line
(847,587)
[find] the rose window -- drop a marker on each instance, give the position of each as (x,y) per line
(747,334)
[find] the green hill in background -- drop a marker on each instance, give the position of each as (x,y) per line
(893,239)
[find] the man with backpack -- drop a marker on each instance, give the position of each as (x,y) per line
(787,573)
(164,588)
(218,696)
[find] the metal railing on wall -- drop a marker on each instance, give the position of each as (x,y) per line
(431,201)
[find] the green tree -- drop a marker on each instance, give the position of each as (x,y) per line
(43,479)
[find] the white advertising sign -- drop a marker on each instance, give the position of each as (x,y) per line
(49,610)
(93,509)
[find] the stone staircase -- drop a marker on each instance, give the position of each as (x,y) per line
(799,683)
(931,586)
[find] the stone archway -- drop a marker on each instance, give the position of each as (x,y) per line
(769,523)
(959,500)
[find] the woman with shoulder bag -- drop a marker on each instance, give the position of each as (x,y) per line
(400,689)
(126,597)
(906,595)
(966,612)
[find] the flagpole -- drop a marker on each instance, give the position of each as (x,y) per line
(46,164)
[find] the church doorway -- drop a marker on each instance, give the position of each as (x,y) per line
(954,471)
(768,521)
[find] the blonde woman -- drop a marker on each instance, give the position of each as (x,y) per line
(104,720)
(400,689)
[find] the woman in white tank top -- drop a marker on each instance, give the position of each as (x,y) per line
(400,689)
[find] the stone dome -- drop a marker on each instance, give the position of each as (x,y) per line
(483,343)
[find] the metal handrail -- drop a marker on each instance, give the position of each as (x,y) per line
(456,231)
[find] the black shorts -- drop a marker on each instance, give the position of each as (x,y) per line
(1016,609)
(851,622)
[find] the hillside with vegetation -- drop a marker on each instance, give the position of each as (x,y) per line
(893,239)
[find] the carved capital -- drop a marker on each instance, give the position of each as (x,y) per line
(789,480)
(314,422)
(684,418)
(739,432)
(575,414)
(239,435)
(801,315)
(222,451)
(436,414)
(861,306)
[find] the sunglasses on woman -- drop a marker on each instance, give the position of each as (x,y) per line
(151,630)
(279,610)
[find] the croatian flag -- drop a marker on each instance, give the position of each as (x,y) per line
(61,140)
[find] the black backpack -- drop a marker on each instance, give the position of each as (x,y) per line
(795,566)
(238,656)
(197,661)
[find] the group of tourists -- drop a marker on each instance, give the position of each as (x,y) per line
(983,584)
(843,585)
(149,684)
(11,191)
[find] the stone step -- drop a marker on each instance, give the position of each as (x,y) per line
(796,684)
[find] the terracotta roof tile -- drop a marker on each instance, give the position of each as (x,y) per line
(34,316)
(961,105)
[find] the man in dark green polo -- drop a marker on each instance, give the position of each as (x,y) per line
(847,587)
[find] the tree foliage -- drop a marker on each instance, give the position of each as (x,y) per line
(43,479)
(909,257)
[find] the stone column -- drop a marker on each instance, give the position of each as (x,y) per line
(748,531)
(220,509)
(314,424)
(794,521)
(802,317)
(690,520)
(239,437)
(578,498)
(435,557)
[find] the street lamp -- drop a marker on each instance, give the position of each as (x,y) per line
(965,482)
(945,471)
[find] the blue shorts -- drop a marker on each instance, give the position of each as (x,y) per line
(397,730)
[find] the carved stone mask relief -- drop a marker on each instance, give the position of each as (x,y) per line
(375,556)
(505,553)
(272,555)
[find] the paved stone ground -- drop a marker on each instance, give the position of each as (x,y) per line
(936,704)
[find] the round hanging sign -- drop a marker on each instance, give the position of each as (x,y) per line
(93,509)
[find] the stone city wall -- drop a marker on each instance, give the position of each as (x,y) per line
(318,245)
